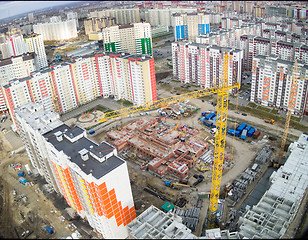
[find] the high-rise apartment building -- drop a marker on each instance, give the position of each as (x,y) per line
(253,46)
(97,24)
(271,83)
(57,30)
(18,45)
(34,43)
(189,26)
(158,16)
(91,177)
(65,86)
(15,68)
(135,38)
(30,17)
(203,63)
(33,120)
(122,16)
(13,46)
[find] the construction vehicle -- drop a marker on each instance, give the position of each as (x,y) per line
(202,167)
(222,91)
(175,185)
(271,121)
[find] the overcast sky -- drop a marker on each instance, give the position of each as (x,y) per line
(12,8)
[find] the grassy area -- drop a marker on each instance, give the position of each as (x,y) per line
(296,119)
(264,109)
(167,87)
(159,38)
(156,68)
(185,90)
(298,126)
(252,105)
(274,111)
(99,108)
(176,81)
(157,58)
(163,45)
(48,43)
(244,87)
(125,103)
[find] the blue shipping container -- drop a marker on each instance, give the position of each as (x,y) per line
(49,230)
(241,127)
(243,136)
(210,116)
(251,132)
(248,127)
(202,119)
(91,131)
(203,114)
(21,174)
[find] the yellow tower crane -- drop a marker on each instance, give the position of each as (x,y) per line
(220,136)
(221,124)
(291,105)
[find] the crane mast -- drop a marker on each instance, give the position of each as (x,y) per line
(291,105)
(220,136)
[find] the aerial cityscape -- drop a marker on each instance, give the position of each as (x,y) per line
(153,119)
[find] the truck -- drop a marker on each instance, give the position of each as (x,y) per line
(241,127)
(207,123)
(271,121)
(244,133)
(213,131)
(22,180)
(202,119)
(256,134)
(49,229)
(91,132)
(203,114)
(251,132)
(21,173)
(210,116)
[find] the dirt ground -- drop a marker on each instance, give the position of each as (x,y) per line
(17,215)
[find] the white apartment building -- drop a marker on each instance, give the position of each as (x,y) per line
(19,45)
(158,16)
(34,43)
(122,16)
(188,26)
(91,177)
(57,30)
(63,83)
(271,84)
(85,80)
(32,122)
(202,64)
(66,86)
(135,38)
(13,46)
(15,68)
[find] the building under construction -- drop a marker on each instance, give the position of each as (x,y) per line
(168,150)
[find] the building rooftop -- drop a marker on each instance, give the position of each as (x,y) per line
(272,216)
(97,160)
(38,118)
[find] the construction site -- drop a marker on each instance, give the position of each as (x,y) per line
(188,165)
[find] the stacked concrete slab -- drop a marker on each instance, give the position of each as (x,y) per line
(271,217)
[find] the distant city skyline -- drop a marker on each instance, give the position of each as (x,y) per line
(13,8)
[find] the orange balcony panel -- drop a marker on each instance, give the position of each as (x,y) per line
(102,186)
(106,201)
